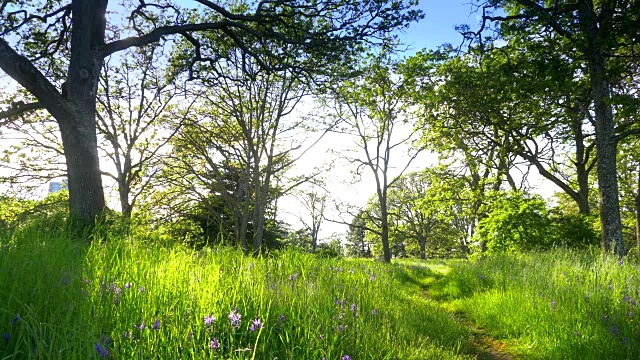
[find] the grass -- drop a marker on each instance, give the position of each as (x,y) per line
(553,305)
(133,298)
(130,299)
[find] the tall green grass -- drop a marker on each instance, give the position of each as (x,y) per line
(552,305)
(127,299)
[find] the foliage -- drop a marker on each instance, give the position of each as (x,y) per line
(520,222)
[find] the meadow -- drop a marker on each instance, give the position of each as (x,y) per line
(125,297)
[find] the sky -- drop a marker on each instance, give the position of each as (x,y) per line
(437,28)
(438,25)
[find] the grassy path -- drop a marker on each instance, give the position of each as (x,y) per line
(482,345)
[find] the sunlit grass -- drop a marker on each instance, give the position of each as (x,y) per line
(554,305)
(124,299)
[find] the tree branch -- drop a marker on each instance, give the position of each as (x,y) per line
(26,74)
(19,108)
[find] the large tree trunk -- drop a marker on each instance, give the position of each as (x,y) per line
(606,145)
(74,108)
(86,196)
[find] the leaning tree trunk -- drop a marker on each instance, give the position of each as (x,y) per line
(606,144)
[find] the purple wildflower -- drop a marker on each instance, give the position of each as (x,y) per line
(371,278)
(127,286)
(633,302)
(208,320)
(614,330)
(630,314)
(141,327)
(346,357)
(214,344)
(102,350)
(293,277)
(6,337)
(256,324)
(116,290)
(66,280)
(481,277)
(354,308)
(16,318)
(141,289)
(282,318)
(626,298)
(321,337)
(553,304)
(156,325)
(374,312)
(190,336)
(234,316)
(340,327)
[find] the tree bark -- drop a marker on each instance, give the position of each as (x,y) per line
(386,250)
(638,214)
(606,144)
(423,247)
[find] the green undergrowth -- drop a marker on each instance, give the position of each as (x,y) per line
(126,299)
(559,304)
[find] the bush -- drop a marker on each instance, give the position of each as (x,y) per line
(515,222)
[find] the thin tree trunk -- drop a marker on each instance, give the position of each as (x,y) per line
(386,250)
(638,214)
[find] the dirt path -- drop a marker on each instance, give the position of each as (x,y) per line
(484,347)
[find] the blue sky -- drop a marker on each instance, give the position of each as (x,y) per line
(437,27)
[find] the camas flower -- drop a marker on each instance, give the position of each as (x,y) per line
(214,344)
(102,350)
(255,325)
(208,320)
(346,357)
(234,316)
(156,325)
